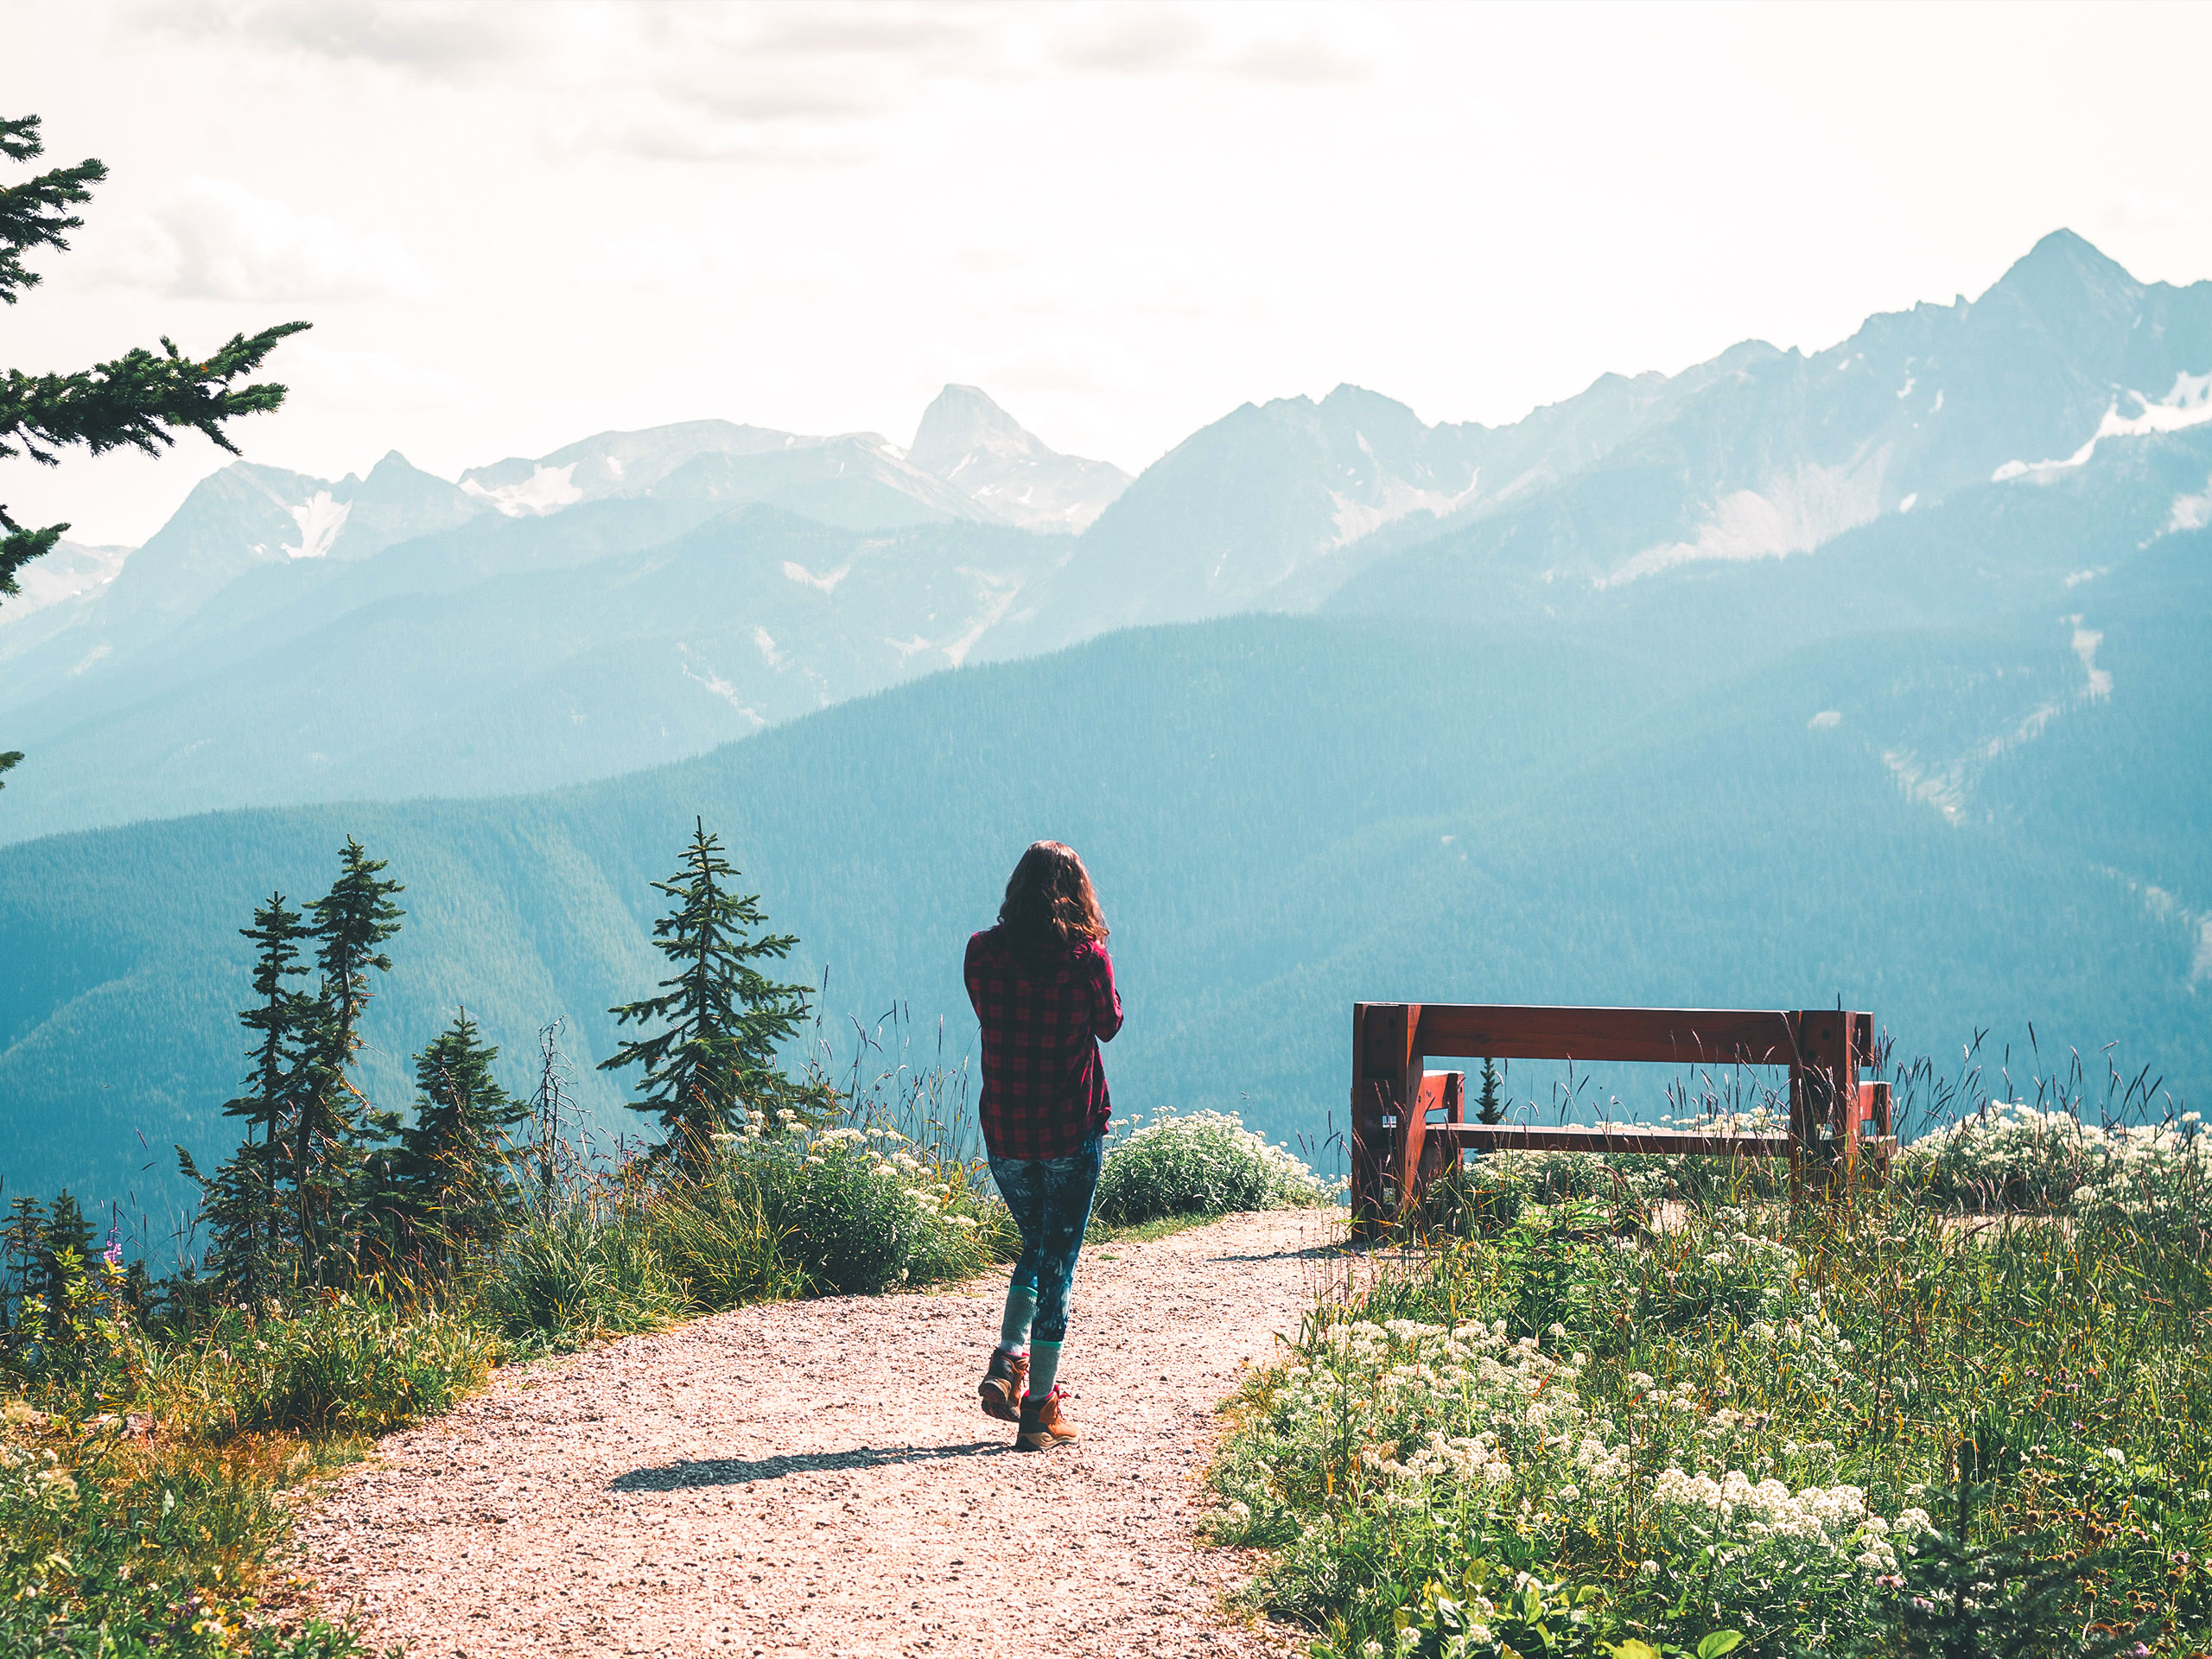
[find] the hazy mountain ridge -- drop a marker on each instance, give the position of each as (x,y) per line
(1781,453)
(226,663)
(147,696)
(69,570)
(544,674)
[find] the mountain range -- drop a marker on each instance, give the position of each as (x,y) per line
(1871,673)
(626,600)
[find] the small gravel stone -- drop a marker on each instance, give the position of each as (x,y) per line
(818,1477)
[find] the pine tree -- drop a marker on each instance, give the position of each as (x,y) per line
(1489,1108)
(19,1259)
(138,400)
(2009,1598)
(450,1191)
(235,1202)
(352,922)
(722,1018)
(65,1246)
(252,1228)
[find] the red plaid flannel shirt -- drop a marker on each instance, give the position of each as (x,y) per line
(1044,1080)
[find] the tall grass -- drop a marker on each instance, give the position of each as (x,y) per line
(577,1269)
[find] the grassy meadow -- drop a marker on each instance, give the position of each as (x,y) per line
(1615,1406)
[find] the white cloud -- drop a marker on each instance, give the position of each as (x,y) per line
(429,37)
(1302,47)
(1307,55)
(215,238)
(1132,39)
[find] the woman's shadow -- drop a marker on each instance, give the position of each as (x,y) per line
(744,1471)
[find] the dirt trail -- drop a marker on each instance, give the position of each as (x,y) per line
(817,1476)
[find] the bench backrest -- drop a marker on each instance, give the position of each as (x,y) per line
(1822,1048)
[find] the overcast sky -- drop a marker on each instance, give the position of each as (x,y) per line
(513,226)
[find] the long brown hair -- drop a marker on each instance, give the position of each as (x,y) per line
(1050,906)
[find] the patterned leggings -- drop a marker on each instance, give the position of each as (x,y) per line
(1051,1201)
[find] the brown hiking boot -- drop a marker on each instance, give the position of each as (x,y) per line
(1044,1424)
(1002,1384)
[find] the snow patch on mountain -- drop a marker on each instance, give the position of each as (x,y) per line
(2189,403)
(2190,511)
(2085,642)
(1941,788)
(766,645)
(1392,500)
(719,687)
(548,489)
(828,584)
(2167,907)
(1943,785)
(1797,513)
(997,594)
(320,519)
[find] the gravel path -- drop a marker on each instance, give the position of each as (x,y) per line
(817,1476)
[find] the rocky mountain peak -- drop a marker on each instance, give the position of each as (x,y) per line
(971,443)
(963,420)
(2062,276)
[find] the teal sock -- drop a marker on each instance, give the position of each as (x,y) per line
(1044,1368)
(1014,1323)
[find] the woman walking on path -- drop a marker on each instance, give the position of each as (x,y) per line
(1043,988)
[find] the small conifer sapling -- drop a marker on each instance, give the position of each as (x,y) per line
(450,1188)
(1490,1106)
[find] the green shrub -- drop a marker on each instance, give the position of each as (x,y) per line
(850,1218)
(575,1272)
(115,1544)
(127,1562)
(2009,1156)
(1207,1163)
(716,1239)
(334,1365)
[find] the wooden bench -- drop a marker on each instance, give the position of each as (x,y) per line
(1396,1152)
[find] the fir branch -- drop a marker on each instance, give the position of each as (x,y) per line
(136,399)
(34,214)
